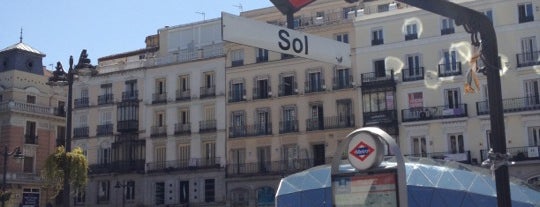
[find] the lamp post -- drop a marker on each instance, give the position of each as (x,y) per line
(123,186)
(16,154)
(61,78)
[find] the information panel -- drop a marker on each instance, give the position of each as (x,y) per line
(363,190)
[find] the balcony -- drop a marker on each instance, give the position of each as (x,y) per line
(81,102)
(447,31)
(183,165)
(159,98)
(236,63)
(314,86)
(523,19)
(262,59)
(413,74)
(432,113)
(130,95)
(333,122)
(104,130)
(25,107)
(377,42)
(105,99)
(463,157)
(375,79)
(80,132)
(208,92)
(128,126)
(411,36)
(449,69)
(285,89)
(528,59)
(343,82)
(59,112)
(182,128)
(376,117)
(117,166)
(262,93)
(183,95)
(207,126)
(517,153)
(30,138)
(250,130)
(158,131)
(511,105)
(288,126)
(237,96)
(282,167)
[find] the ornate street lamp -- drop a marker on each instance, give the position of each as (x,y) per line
(61,78)
(17,154)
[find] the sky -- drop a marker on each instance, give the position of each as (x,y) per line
(60,28)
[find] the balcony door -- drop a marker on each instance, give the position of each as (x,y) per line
(317,118)
(452,98)
(288,85)
(263,119)
(532,92)
(413,62)
(450,61)
(318,154)
(262,88)
(456,143)
(380,68)
(344,111)
(184,192)
(315,81)
(263,159)
(534,136)
(528,48)
(418,147)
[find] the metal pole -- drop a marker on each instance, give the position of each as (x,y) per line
(67,146)
(290,20)
(5,173)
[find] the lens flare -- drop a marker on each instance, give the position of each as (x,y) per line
(394,63)
(412,21)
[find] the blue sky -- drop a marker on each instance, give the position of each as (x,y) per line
(60,28)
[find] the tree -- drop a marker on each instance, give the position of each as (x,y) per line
(53,171)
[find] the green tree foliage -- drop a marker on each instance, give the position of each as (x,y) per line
(53,171)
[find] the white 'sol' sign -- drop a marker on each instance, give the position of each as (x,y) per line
(278,39)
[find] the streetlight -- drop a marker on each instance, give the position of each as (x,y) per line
(17,154)
(123,186)
(61,78)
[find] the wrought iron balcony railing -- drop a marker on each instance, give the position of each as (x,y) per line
(183,164)
(59,112)
(411,36)
(30,138)
(282,167)
(105,99)
(332,122)
(288,126)
(127,125)
(511,105)
(120,166)
(528,59)
(81,102)
(208,92)
(207,126)
(237,96)
(130,95)
(343,82)
(435,112)
(464,156)
(236,63)
(413,74)
(104,130)
(374,78)
(523,19)
(182,95)
(517,153)
(182,128)
(287,90)
(158,131)
(377,42)
(80,132)
(447,31)
(312,86)
(159,98)
(250,130)
(262,93)
(449,69)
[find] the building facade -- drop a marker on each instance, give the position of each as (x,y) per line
(32,118)
(152,122)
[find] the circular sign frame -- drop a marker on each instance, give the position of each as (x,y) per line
(365,151)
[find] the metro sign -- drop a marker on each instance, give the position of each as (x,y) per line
(362,151)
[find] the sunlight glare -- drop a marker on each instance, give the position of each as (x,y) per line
(410,21)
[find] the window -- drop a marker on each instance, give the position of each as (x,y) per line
(415,71)
(183,154)
(315,82)
(290,154)
(349,12)
(183,83)
(263,158)
(488,139)
(344,37)
(456,143)
(130,191)
(160,86)
(209,153)
(209,80)
(238,160)
(529,53)
(262,55)
(130,90)
(265,196)
(84,92)
(525,12)
(263,125)
(159,195)
(237,57)
(316,120)
(104,154)
(345,112)
(1,98)
(289,122)
(411,32)
(343,79)
(237,92)
(532,92)
(28,166)
(379,68)
(450,65)
(159,119)
(106,89)
(238,124)
(209,190)
(160,156)
(287,85)
(377,37)
(416,100)
(262,88)
(209,113)
(103,191)
(534,136)
(60,135)
(447,26)
(30,99)
(452,99)
(183,116)
(418,147)
(379,101)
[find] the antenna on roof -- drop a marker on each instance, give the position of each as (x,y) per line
(239,6)
(20,37)
(203,15)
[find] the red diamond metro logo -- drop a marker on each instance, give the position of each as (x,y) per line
(362,151)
